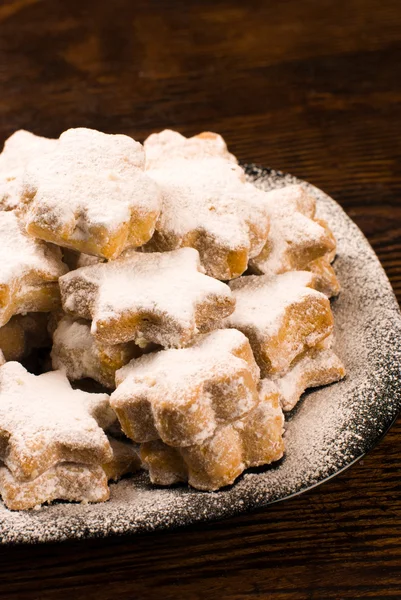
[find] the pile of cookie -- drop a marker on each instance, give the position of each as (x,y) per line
(157,311)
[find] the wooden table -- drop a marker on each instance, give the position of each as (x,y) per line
(312,87)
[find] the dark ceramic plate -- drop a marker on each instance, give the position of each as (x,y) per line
(329,430)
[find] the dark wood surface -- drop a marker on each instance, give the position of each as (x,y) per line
(307,86)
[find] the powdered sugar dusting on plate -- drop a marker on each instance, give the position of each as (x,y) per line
(328,430)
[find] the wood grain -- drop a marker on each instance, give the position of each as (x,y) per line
(311,87)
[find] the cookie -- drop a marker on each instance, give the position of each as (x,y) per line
(162,298)
(64,481)
(281,315)
(168,145)
(125,460)
(91,194)
(74,482)
(314,368)
(22,334)
(254,440)
(325,276)
(19,150)
(43,421)
(29,271)
(80,355)
(207,205)
(181,396)
(295,237)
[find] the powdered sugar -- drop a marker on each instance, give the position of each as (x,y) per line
(21,255)
(74,336)
(22,147)
(19,150)
(168,144)
(76,351)
(28,266)
(330,428)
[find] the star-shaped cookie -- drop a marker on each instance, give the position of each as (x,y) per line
(64,481)
(43,422)
(75,482)
(29,271)
(295,238)
(182,395)
(91,194)
(254,440)
(207,205)
(281,315)
(159,297)
(316,367)
(76,351)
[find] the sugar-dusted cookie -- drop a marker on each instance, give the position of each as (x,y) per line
(22,334)
(91,194)
(331,253)
(63,481)
(181,396)
(75,482)
(325,276)
(295,237)
(20,148)
(254,440)
(43,421)
(77,352)
(206,203)
(281,315)
(314,368)
(160,297)
(124,462)
(168,145)
(29,271)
